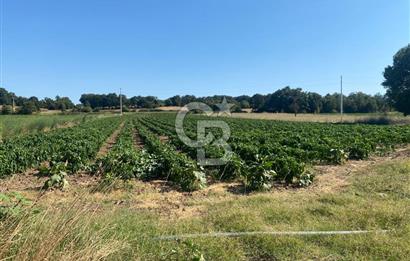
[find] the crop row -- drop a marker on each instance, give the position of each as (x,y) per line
(284,149)
(155,161)
(74,146)
(260,173)
(176,166)
(125,160)
(308,142)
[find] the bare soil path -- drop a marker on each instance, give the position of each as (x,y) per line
(138,142)
(110,142)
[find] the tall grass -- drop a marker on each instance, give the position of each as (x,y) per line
(13,125)
(125,224)
(58,234)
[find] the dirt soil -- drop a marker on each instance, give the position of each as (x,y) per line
(138,143)
(163,139)
(164,200)
(109,143)
(334,178)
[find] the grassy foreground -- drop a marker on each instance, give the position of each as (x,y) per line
(373,199)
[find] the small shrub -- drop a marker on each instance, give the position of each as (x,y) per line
(259,175)
(58,174)
(6,110)
(306,179)
(288,169)
(86,109)
(359,151)
(337,156)
(28,108)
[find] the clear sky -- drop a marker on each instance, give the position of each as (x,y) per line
(200,47)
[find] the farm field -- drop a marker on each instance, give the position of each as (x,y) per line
(308,117)
(323,117)
(204,130)
(122,182)
(12,125)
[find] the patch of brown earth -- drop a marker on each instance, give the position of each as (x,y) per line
(82,179)
(69,124)
(27,181)
(163,139)
(335,178)
(110,142)
(138,143)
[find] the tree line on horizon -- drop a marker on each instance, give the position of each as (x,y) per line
(289,100)
(31,104)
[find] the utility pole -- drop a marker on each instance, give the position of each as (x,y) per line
(120,102)
(341,98)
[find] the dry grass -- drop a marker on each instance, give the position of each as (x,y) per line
(57,234)
(121,223)
(170,108)
(331,118)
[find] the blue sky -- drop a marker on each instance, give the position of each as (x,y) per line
(200,47)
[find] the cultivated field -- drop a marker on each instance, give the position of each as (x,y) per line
(112,187)
(329,118)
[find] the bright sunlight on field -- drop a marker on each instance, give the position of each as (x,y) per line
(120,182)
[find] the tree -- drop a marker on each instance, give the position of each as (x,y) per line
(5,96)
(397,81)
(297,100)
(245,104)
(174,101)
(257,101)
(331,103)
(149,102)
(314,102)
(382,104)
(63,103)
(28,108)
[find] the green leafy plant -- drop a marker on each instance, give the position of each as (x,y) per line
(337,156)
(306,179)
(186,250)
(11,204)
(58,174)
(259,175)
(76,146)
(125,161)
(177,167)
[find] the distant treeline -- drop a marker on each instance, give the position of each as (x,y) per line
(284,100)
(287,100)
(32,104)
